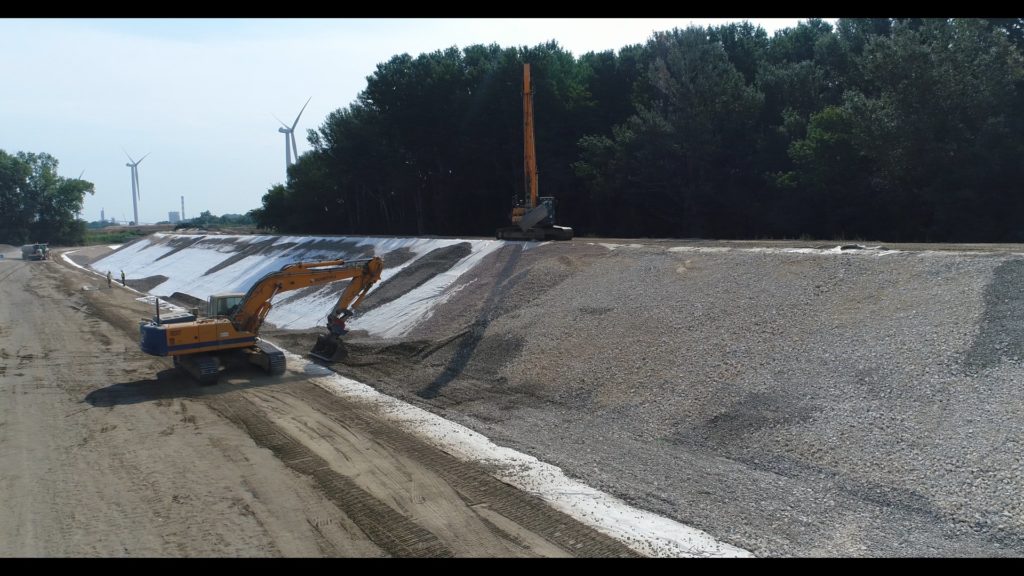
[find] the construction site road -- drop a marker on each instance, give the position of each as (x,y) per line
(106,451)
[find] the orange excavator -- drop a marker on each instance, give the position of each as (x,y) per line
(534,219)
(201,347)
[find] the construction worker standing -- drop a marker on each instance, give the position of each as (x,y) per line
(108,279)
(123,283)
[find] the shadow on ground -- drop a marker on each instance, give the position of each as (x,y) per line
(170,384)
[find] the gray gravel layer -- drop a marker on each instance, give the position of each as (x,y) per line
(414,275)
(839,404)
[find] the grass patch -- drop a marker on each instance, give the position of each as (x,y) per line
(93,238)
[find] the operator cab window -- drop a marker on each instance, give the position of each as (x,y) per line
(226,306)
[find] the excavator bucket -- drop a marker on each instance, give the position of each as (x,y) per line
(329,348)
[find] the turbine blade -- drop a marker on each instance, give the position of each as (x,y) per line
(300,113)
(82,174)
(279,120)
(295,151)
(143,158)
(129,156)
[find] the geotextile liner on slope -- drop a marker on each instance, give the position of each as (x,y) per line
(204,265)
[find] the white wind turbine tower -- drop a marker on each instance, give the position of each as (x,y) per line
(136,190)
(289,138)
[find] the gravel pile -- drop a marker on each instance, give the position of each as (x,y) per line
(837,404)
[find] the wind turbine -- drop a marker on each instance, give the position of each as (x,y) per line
(289,137)
(136,190)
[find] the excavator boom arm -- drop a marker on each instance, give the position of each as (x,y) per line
(354,293)
(257,302)
(529,148)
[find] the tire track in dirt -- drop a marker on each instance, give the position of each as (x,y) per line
(388,529)
(476,487)
(14,268)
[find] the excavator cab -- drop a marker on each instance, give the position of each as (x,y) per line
(224,304)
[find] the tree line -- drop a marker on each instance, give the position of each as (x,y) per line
(37,204)
(886,129)
(208,220)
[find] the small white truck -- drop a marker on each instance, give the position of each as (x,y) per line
(35,252)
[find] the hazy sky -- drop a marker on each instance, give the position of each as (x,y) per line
(199,95)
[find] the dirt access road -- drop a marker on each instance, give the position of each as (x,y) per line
(105,451)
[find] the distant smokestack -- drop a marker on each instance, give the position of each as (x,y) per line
(182,207)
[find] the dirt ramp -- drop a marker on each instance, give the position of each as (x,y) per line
(187,301)
(246,250)
(179,243)
(507,282)
(82,259)
(146,284)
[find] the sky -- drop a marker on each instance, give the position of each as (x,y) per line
(200,96)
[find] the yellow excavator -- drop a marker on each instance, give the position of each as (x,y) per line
(201,347)
(534,219)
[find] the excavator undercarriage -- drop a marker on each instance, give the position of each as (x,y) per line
(206,368)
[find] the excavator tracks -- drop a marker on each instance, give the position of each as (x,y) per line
(273,360)
(204,368)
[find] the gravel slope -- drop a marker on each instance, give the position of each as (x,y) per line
(845,403)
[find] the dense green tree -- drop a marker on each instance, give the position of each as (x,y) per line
(36,204)
(932,109)
(882,128)
(666,162)
(16,205)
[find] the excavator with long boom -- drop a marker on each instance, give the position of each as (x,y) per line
(230,333)
(534,219)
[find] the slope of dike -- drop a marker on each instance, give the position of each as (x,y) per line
(788,399)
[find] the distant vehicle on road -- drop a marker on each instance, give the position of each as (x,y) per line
(35,252)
